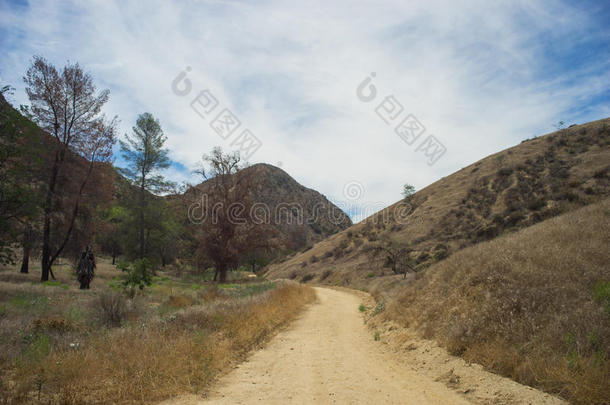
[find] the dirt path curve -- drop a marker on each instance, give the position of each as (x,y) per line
(327,356)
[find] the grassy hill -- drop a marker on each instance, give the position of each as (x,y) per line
(520,186)
(533,305)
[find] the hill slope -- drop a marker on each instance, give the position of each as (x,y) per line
(512,189)
(301,215)
(533,305)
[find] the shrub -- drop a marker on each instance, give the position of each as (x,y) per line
(313,259)
(536,204)
(138,275)
(362,308)
(370,275)
(308,277)
(422,257)
(327,254)
(505,171)
(441,252)
(303,264)
(601,174)
(57,323)
(325,275)
(558,170)
(379,308)
(112,308)
(338,252)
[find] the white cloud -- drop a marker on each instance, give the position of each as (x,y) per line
(473,72)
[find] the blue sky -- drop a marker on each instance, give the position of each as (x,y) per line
(480,76)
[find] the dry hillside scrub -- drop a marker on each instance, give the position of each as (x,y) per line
(533,305)
(149,357)
(513,189)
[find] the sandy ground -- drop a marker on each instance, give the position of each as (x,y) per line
(328,356)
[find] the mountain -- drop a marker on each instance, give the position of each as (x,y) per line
(302,215)
(520,186)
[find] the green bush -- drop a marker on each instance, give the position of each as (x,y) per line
(138,275)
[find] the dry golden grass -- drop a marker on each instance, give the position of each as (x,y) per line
(532,305)
(60,346)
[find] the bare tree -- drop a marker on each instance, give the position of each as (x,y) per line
(67,106)
(228,232)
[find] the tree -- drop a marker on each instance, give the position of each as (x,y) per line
(110,236)
(27,244)
(68,107)
(408,191)
(396,254)
(146,156)
(228,232)
(21,164)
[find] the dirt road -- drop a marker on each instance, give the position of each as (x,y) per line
(328,355)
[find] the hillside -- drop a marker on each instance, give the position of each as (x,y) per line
(532,305)
(301,215)
(507,191)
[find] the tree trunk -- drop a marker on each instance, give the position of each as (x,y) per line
(142,204)
(222,272)
(27,245)
(26,260)
(46,232)
(215,274)
(50,258)
(141,232)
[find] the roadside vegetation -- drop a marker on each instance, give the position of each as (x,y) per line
(59,344)
(533,305)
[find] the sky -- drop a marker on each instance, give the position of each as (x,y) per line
(351,98)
